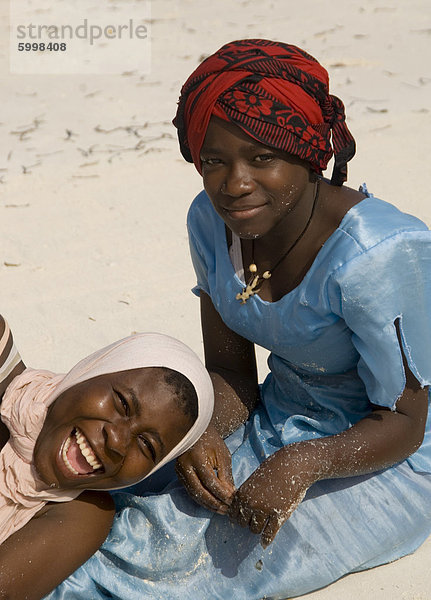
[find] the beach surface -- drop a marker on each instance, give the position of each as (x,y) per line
(94,193)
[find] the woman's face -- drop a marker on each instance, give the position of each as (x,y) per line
(251,186)
(109,431)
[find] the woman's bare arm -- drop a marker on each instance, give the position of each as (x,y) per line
(382,439)
(60,538)
(231,361)
(206,469)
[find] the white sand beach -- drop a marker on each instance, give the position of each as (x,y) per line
(94,192)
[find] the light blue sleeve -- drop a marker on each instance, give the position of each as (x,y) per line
(387,283)
(194,226)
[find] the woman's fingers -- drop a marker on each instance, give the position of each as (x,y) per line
(206,472)
(245,516)
(203,485)
(271,529)
(218,481)
(224,471)
(258,522)
(197,491)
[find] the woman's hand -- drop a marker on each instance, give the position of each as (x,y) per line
(271,494)
(206,472)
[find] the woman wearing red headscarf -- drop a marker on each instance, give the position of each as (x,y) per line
(330,281)
(326,468)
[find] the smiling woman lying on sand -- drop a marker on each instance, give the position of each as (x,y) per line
(117,416)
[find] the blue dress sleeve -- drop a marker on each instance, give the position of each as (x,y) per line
(386,283)
(195,224)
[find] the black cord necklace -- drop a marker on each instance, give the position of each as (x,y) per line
(256,280)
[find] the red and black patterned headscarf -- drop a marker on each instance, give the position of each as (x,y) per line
(277,94)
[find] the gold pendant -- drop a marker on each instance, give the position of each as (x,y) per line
(249,290)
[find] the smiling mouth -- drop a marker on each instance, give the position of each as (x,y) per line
(244,213)
(78,456)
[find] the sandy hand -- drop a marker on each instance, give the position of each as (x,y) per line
(206,472)
(270,495)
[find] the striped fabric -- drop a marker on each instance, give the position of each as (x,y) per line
(9,355)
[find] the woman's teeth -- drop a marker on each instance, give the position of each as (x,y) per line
(84,449)
(66,446)
(90,457)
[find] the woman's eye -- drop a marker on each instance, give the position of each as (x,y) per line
(124,403)
(210,161)
(147,445)
(264,157)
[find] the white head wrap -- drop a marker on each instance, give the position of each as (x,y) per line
(151,350)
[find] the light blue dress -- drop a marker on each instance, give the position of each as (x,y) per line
(334,349)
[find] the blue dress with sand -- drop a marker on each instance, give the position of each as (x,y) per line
(334,350)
